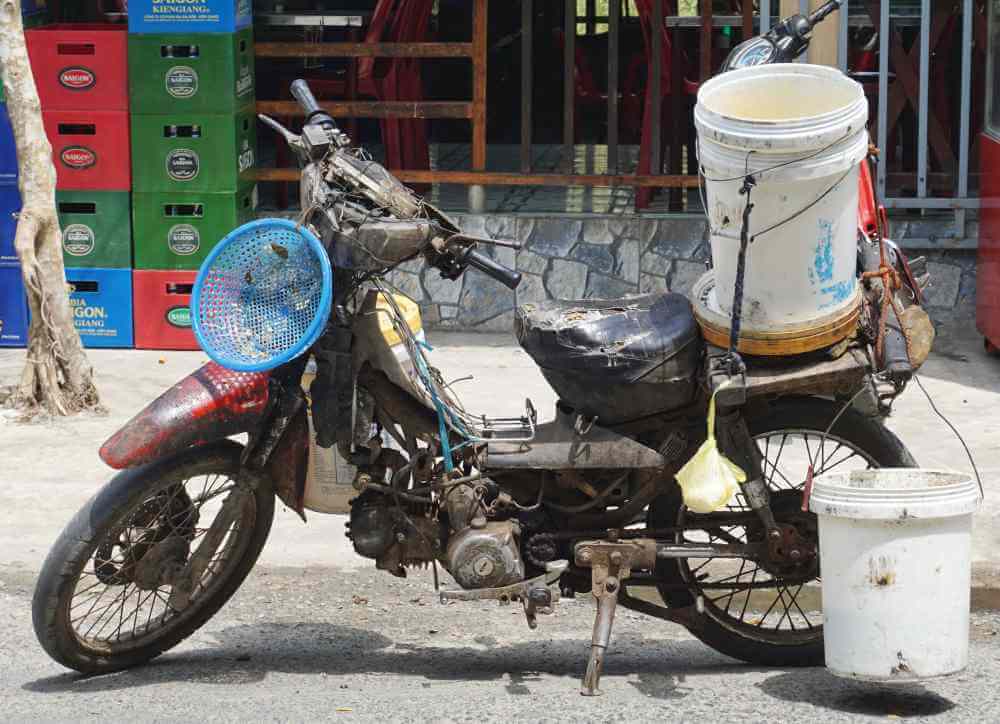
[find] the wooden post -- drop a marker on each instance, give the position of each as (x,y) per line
(480,14)
(823,48)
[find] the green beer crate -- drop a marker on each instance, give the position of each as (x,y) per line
(96,228)
(193,151)
(212,73)
(177,230)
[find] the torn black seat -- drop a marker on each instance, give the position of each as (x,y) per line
(615,359)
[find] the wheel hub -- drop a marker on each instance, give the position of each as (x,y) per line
(792,547)
(167,515)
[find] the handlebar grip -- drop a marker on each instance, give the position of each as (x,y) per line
(314,114)
(823,10)
(507,277)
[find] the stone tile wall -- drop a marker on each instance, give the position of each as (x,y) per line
(569,257)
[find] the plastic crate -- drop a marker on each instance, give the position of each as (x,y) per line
(162,309)
(10,204)
(96,228)
(191,73)
(101,300)
(79,67)
(178,230)
(193,151)
(13,307)
(90,149)
(204,16)
(8,151)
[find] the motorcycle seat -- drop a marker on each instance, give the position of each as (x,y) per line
(591,350)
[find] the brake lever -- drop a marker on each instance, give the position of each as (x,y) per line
(292,139)
(485,240)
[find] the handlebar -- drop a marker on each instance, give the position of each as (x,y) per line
(314,114)
(823,10)
(507,277)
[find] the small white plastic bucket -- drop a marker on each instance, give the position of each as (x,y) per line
(799,129)
(895,562)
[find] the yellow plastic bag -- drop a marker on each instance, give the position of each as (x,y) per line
(709,479)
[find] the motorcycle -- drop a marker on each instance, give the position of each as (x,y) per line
(513,509)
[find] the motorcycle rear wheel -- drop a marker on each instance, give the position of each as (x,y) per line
(93,612)
(855,442)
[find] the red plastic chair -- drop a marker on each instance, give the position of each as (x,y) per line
(387,79)
(587,93)
(398,79)
(672,127)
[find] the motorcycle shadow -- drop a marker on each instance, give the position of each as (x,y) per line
(664,669)
(246,654)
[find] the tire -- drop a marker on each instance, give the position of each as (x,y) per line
(96,528)
(719,629)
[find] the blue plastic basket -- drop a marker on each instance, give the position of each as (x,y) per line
(263,296)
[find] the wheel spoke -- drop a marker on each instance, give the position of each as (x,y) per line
(108,607)
(772,590)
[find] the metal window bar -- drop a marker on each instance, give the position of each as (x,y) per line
(527,87)
(925,65)
(842,36)
(964,114)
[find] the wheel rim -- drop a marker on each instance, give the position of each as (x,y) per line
(744,596)
(112,609)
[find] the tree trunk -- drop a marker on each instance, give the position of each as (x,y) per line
(57,376)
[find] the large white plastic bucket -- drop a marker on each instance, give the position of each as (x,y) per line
(799,129)
(895,562)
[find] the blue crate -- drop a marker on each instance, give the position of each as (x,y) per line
(204,16)
(13,308)
(8,153)
(10,204)
(101,300)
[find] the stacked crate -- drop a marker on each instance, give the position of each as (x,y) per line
(191,81)
(81,74)
(13,305)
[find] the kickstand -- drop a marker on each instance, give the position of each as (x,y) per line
(606,594)
(610,563)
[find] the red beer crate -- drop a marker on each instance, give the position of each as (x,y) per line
(80,67)
(161,309)
(90,149)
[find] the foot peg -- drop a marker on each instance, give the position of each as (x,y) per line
(610,563)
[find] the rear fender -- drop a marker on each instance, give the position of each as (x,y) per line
(212,403)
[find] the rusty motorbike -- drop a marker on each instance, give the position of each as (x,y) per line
(514,509)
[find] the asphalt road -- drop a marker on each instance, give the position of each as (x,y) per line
(305,644)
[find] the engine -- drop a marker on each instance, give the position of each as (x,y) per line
(477,552)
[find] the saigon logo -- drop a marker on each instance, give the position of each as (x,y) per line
(78,239)
(183,164)
(77,78)
(182,81)
(183,239)
(179,317)
(78,157)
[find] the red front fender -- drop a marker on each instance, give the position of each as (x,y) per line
(210,404)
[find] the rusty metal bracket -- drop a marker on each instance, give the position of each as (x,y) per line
(610,563)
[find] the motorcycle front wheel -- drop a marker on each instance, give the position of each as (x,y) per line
(755,611)
(104,599)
